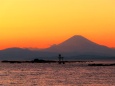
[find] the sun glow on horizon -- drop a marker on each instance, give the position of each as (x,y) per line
(42,23)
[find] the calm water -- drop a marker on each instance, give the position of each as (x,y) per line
(76,74)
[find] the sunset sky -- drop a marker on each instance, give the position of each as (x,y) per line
(42,23)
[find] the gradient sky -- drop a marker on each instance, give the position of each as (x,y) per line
(42,23)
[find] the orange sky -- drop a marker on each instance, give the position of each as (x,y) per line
(41,23)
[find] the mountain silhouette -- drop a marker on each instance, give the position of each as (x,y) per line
(76,47)
(79,44)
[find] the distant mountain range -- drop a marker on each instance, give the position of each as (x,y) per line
(74,48)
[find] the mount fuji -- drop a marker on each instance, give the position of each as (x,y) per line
(76,47)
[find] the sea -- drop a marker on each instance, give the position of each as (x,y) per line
(54,74)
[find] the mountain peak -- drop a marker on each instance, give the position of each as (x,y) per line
(79,44)
(75,43)
(77,38)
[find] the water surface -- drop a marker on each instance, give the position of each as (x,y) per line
(71,74)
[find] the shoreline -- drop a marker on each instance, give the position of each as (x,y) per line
(43,61)
(89,63)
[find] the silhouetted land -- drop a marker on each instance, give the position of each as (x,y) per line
(63,62)
(42,61)
(34,61)
(74,48)
(101,64)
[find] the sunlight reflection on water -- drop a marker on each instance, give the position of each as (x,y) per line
(28,74)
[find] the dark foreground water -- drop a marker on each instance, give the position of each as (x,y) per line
(73,74)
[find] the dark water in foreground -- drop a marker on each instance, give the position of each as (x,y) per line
(73,74)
